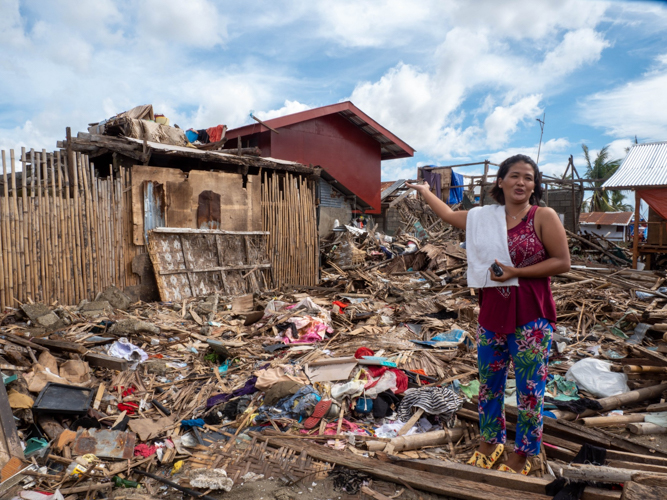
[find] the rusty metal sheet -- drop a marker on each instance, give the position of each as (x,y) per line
(104,443)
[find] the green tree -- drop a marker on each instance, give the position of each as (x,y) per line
(617,202)
(600,170)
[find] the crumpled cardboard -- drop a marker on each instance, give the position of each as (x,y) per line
(147,427)
(47,360)
(18,400)
(40,376)
(75,371)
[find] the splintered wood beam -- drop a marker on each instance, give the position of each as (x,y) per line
(426,481)
(213,269)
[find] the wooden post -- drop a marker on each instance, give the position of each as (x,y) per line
(574,200)
(70,154)
(483,187)
(635,246)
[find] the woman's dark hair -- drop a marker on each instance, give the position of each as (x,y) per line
(497,193)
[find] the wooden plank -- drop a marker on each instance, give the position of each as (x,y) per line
(61,345)
(103,361)
(653,355)
(426,481)
(215,269)
(636,491)
(10,444)
(514,481)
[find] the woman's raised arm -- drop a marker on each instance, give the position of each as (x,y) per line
(441,209)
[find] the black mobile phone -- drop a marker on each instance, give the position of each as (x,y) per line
(497,270)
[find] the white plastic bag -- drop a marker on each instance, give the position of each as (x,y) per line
(595,376)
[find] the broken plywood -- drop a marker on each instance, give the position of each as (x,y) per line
(202,262)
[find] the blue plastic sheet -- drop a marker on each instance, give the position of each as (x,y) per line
(456,194)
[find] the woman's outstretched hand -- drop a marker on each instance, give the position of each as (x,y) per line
(420,188)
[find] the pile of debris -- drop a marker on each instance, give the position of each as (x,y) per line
(370,376)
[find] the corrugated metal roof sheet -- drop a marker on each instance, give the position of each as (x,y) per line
(606,218)
(644,166)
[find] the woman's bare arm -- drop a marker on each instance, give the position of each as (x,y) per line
(441,209)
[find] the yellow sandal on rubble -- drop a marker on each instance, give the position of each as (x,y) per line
(486,462)
(524,471)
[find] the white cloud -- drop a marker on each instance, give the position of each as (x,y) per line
(637,108)
(289,108)
(377,23)
(504,120)
(578,48)
(196,23)
(11,25)
(425,107)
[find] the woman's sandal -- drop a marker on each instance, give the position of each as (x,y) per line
(486,462)
(524,471)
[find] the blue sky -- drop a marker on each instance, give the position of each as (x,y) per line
(458,80)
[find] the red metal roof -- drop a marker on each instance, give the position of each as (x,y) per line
(606,218)
(392,146)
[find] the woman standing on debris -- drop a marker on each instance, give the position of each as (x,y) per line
(525,244)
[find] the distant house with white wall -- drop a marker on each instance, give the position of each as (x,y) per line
(613,226)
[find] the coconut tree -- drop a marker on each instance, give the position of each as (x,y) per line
(601,169)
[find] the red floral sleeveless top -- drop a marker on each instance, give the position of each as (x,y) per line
(504,309)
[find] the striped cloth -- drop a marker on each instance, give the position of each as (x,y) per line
(433,400)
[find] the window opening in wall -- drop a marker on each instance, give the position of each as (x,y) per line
(208,210)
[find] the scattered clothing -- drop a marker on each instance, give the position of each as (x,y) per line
(189,424)
(385,404)
(144,450)
(434,180)
(577,406)
(216,133)
(563,489)
(529,349)
(433,400)
(248,388)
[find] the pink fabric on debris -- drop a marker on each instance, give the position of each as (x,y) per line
(143,450)
(310,330)
(330,429)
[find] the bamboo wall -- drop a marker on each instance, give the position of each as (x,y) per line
(289,214)
(62,239)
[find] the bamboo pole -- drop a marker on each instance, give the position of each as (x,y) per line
(613,420)
(78,226)
(51,250)
(34,234)
(69,222)
(56,235)
(126,226)
(101,229)
(88,219)
(62,233)
(112,225)
(17,242)
(39,209)
(6,229)
(3,271)
(25,225)
(613,402)
(94,222)
(643,428)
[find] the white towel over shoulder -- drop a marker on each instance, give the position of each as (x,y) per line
(486,241)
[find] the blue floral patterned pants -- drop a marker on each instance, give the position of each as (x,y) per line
(529,349)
